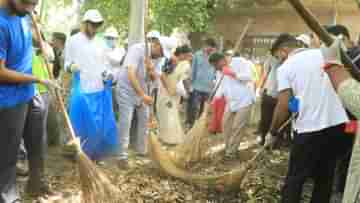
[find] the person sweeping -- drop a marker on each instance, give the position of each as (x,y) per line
(17,91)
(240,98)
(133,95)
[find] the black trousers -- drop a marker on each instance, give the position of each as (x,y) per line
(268,105)
(12,126)
(23,121)
(313,155)
(196,106)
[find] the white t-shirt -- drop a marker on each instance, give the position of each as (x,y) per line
(114,57)
(238,92)
(89,55)
(320,107)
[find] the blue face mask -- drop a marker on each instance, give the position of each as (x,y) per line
(110,43)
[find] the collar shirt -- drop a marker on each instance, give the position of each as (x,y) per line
(319,105)
(89,55)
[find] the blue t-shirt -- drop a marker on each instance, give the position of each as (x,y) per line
(16,50)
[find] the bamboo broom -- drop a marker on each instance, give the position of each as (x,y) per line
(230,181)
(95,186)
(196,146)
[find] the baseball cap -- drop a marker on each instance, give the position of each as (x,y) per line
(111,32)
(93,16)
(167,45)
(154,34)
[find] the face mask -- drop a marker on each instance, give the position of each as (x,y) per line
(110,43)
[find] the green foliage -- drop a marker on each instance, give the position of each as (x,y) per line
(190,15)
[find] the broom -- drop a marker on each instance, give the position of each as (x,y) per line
(196,147)
(95,186)
(230,181)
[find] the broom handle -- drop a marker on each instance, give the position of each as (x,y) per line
(259,154)
(243,34)
(316,27)
(216,88)
(57,93)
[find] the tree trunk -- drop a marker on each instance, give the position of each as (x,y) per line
(136,21)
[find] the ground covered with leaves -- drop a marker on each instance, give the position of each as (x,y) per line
(143,182)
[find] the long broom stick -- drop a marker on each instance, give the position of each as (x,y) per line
(96,187)
(243,34)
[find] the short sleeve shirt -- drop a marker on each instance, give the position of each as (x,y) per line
(319,105)
(16,51)
(135,58)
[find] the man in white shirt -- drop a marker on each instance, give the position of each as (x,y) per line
(240,98)
(133,95)
(85,54)
(114,54)
(319,124)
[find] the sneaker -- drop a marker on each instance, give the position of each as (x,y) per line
(123,164)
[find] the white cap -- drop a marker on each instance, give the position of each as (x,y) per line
(304,38)
(168,44)
(111,32)
(93,16)
(154,34)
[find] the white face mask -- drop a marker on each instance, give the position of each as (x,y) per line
(110,43)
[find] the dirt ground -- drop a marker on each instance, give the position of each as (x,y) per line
(143,183)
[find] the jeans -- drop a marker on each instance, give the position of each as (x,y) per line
(128,111)
(196,106)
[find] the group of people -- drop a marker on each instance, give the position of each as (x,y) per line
(303,81)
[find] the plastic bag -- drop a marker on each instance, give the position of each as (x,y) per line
(93,120)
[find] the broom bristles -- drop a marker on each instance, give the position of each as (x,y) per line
(226,182)
(95,185)
(196,144)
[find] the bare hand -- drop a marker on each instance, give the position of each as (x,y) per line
(148,64)
(147,100)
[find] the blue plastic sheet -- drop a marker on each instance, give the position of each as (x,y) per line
(93,119)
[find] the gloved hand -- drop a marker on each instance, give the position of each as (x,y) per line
(50,84)
(74,68)
(332,54)
(259,92)
(270,140)
(107,75)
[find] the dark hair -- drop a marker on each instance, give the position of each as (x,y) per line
(60,36)
(284,40)
(338,30)
(216,57)
(183,50)
(211,43)
(74,31)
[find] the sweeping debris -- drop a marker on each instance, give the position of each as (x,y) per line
(96,187)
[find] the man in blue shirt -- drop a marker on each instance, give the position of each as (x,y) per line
(16,88)
(202,77)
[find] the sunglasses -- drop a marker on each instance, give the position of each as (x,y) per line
(95,25)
